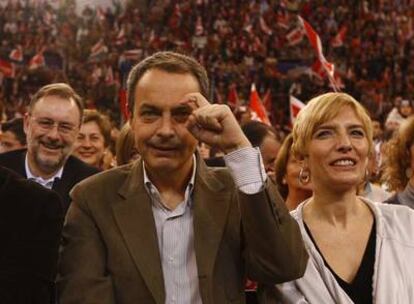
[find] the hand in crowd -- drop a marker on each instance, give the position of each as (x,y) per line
(214,124)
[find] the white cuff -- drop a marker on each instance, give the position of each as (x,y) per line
(246,167)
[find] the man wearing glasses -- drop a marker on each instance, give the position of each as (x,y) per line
(51,126)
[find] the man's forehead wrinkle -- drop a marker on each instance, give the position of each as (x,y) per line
(176,107)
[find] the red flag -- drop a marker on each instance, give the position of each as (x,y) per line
(338,40)
(295,36)
(233,97)
(17,54)
(316,43)
(37,61)
(6,68)
(123,103)
(257,107)
(295,105)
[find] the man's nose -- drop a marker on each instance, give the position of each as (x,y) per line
(166,127)
(53,132)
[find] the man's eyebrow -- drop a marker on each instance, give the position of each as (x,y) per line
(147,107)
(182,107)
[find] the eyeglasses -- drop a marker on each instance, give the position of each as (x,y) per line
(47,124)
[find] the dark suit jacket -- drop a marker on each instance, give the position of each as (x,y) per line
(31,219)
(74,171)
(110,251)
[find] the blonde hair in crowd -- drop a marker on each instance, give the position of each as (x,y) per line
(321,109)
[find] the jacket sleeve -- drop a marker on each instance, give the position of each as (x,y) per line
(274,250)
(82,276)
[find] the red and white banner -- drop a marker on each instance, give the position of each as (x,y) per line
(295,36)
(17,54)
(257,107)
(37,61)
(316,43)
(295,105)
(339,39)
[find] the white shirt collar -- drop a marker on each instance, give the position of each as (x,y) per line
(151,187)
(48,183)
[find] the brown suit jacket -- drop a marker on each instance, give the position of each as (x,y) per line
(110,251)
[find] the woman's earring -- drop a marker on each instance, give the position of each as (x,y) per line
(304,176)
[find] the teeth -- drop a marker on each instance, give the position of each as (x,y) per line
(344,162)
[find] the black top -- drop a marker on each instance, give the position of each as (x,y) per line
(31,219)
(74,171)
(360,289)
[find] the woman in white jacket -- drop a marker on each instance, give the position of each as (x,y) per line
(360,251)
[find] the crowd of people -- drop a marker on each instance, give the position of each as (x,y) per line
(138,175)
(239,42)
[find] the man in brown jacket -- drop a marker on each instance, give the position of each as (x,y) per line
(167,229)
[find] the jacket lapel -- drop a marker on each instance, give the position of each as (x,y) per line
(211,206)
(133,214)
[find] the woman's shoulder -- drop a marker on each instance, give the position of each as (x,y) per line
(396,222)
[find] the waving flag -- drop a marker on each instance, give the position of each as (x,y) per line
(295,105)
(233,97)
(17,54)
(37,61)
(257,107)
(295,36)
(339,39)
(316,43)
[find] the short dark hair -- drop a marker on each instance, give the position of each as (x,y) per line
(170,62)
(256,132)
(15,126)
(102,121)
(62,90)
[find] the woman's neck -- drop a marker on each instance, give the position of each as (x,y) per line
(295,197)
(335,208)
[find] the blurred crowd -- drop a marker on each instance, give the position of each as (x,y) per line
(240,43)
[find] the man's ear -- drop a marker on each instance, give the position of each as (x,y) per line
(26,122)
